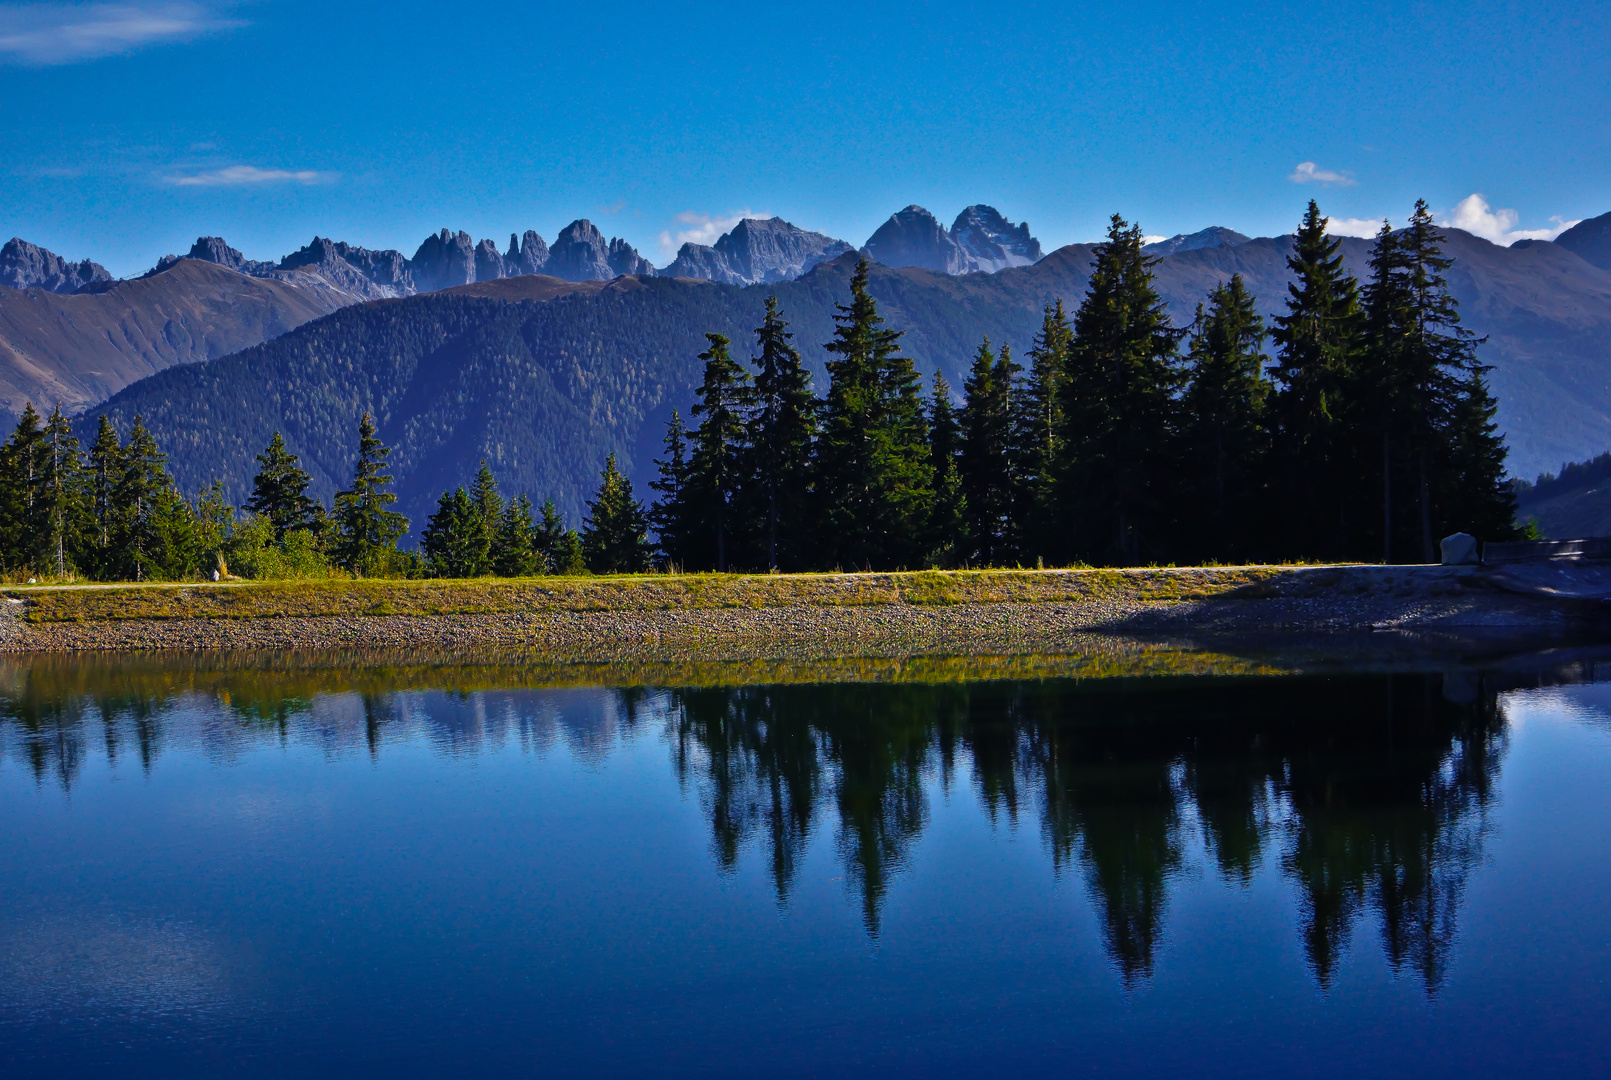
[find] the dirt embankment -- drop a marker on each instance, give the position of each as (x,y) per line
(611,618)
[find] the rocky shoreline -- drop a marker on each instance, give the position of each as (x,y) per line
(742,617)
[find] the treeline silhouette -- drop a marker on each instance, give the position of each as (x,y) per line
(1367,793)
(1124,439)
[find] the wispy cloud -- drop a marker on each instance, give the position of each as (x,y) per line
(239,175)
(43,35)
(1308,172)
(1353,226)
(1475,216)
(701,229)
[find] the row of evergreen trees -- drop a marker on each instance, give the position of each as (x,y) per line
(1128,439)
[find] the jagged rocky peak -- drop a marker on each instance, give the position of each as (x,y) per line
(580,253)
(757,250)
(527,254)
(488,263)
(373,275)
(1590,240)
(915,237)
(992,242)
(29,266)
(213,249)
(1212,237)
(444,260)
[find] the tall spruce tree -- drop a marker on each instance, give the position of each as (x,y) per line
(22,522)
(280,490)
(720,450)
(1118,407)
(153,525)
(454,542)
(872,476)
(782,428)
(1317,409)
(615,536)
(105,466)
(669,515)
(488,513)
(1224,437)
(1037,415)
(986,457)
(65,497)
(515,553)
(367,541)
(560,548)
(948,524)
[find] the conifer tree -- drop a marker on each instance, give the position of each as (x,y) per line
(64,495)
(782,428)
(280,490)
(369,532)
(873,480)
(105,467)
(1037,416)
(615,535)
(560,548)
(669,514)
(1118,406)
(214,519)
(515,554)
(22,494)
(489,513)
(719,453)
(454,542)
(948,526)
(1224,444)
(1316,408)
(152,523)
(986,457)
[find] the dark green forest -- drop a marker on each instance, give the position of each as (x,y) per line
(1357,426)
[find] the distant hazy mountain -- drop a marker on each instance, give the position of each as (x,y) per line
(1590,240)
(27,266)
(980,240)
(543,377)
(1212,237)
(757,250)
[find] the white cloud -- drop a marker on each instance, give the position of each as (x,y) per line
(701,229)
(1353,226)
(41,35)
(1308,172)
(237,175)
(1475,216)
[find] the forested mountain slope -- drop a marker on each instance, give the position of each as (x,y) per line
(543,378)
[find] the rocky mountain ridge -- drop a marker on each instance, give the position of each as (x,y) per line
(29,266)
(756,251)
(979,241)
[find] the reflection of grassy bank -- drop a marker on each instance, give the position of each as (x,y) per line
(648,592)
(244,677)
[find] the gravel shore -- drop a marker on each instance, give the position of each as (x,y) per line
(711,616)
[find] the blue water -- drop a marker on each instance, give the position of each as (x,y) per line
(1323,875)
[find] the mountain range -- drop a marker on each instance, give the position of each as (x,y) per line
(543,358)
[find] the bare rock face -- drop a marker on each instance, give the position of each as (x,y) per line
(372,275)
(757,250)
(624,259)
(527,255)
(580,253)
(29,266)
(992,242)
(214,250)
(915,237)
(488,263)
(1215,236)
(444,260)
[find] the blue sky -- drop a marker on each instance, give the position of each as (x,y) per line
(131,128)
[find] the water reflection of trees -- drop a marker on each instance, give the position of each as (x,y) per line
(1367,792)
(1370,790)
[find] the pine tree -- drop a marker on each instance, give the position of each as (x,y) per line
(489,513)
(873,480)
(105,467)
(367,543)
(670,512)
(782,428)
(986,457)
(22,539)
(1316,410)
(948,527)
(1037,419)
(1118,406)
(615,536)
(560,548)
(454,542)
(280,490)
(151,531)
(1224,444)
(63,491)
(516,552)
(719,452)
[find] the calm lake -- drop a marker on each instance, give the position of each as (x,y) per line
(304,866)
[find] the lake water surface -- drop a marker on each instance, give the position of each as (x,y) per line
(272,867)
